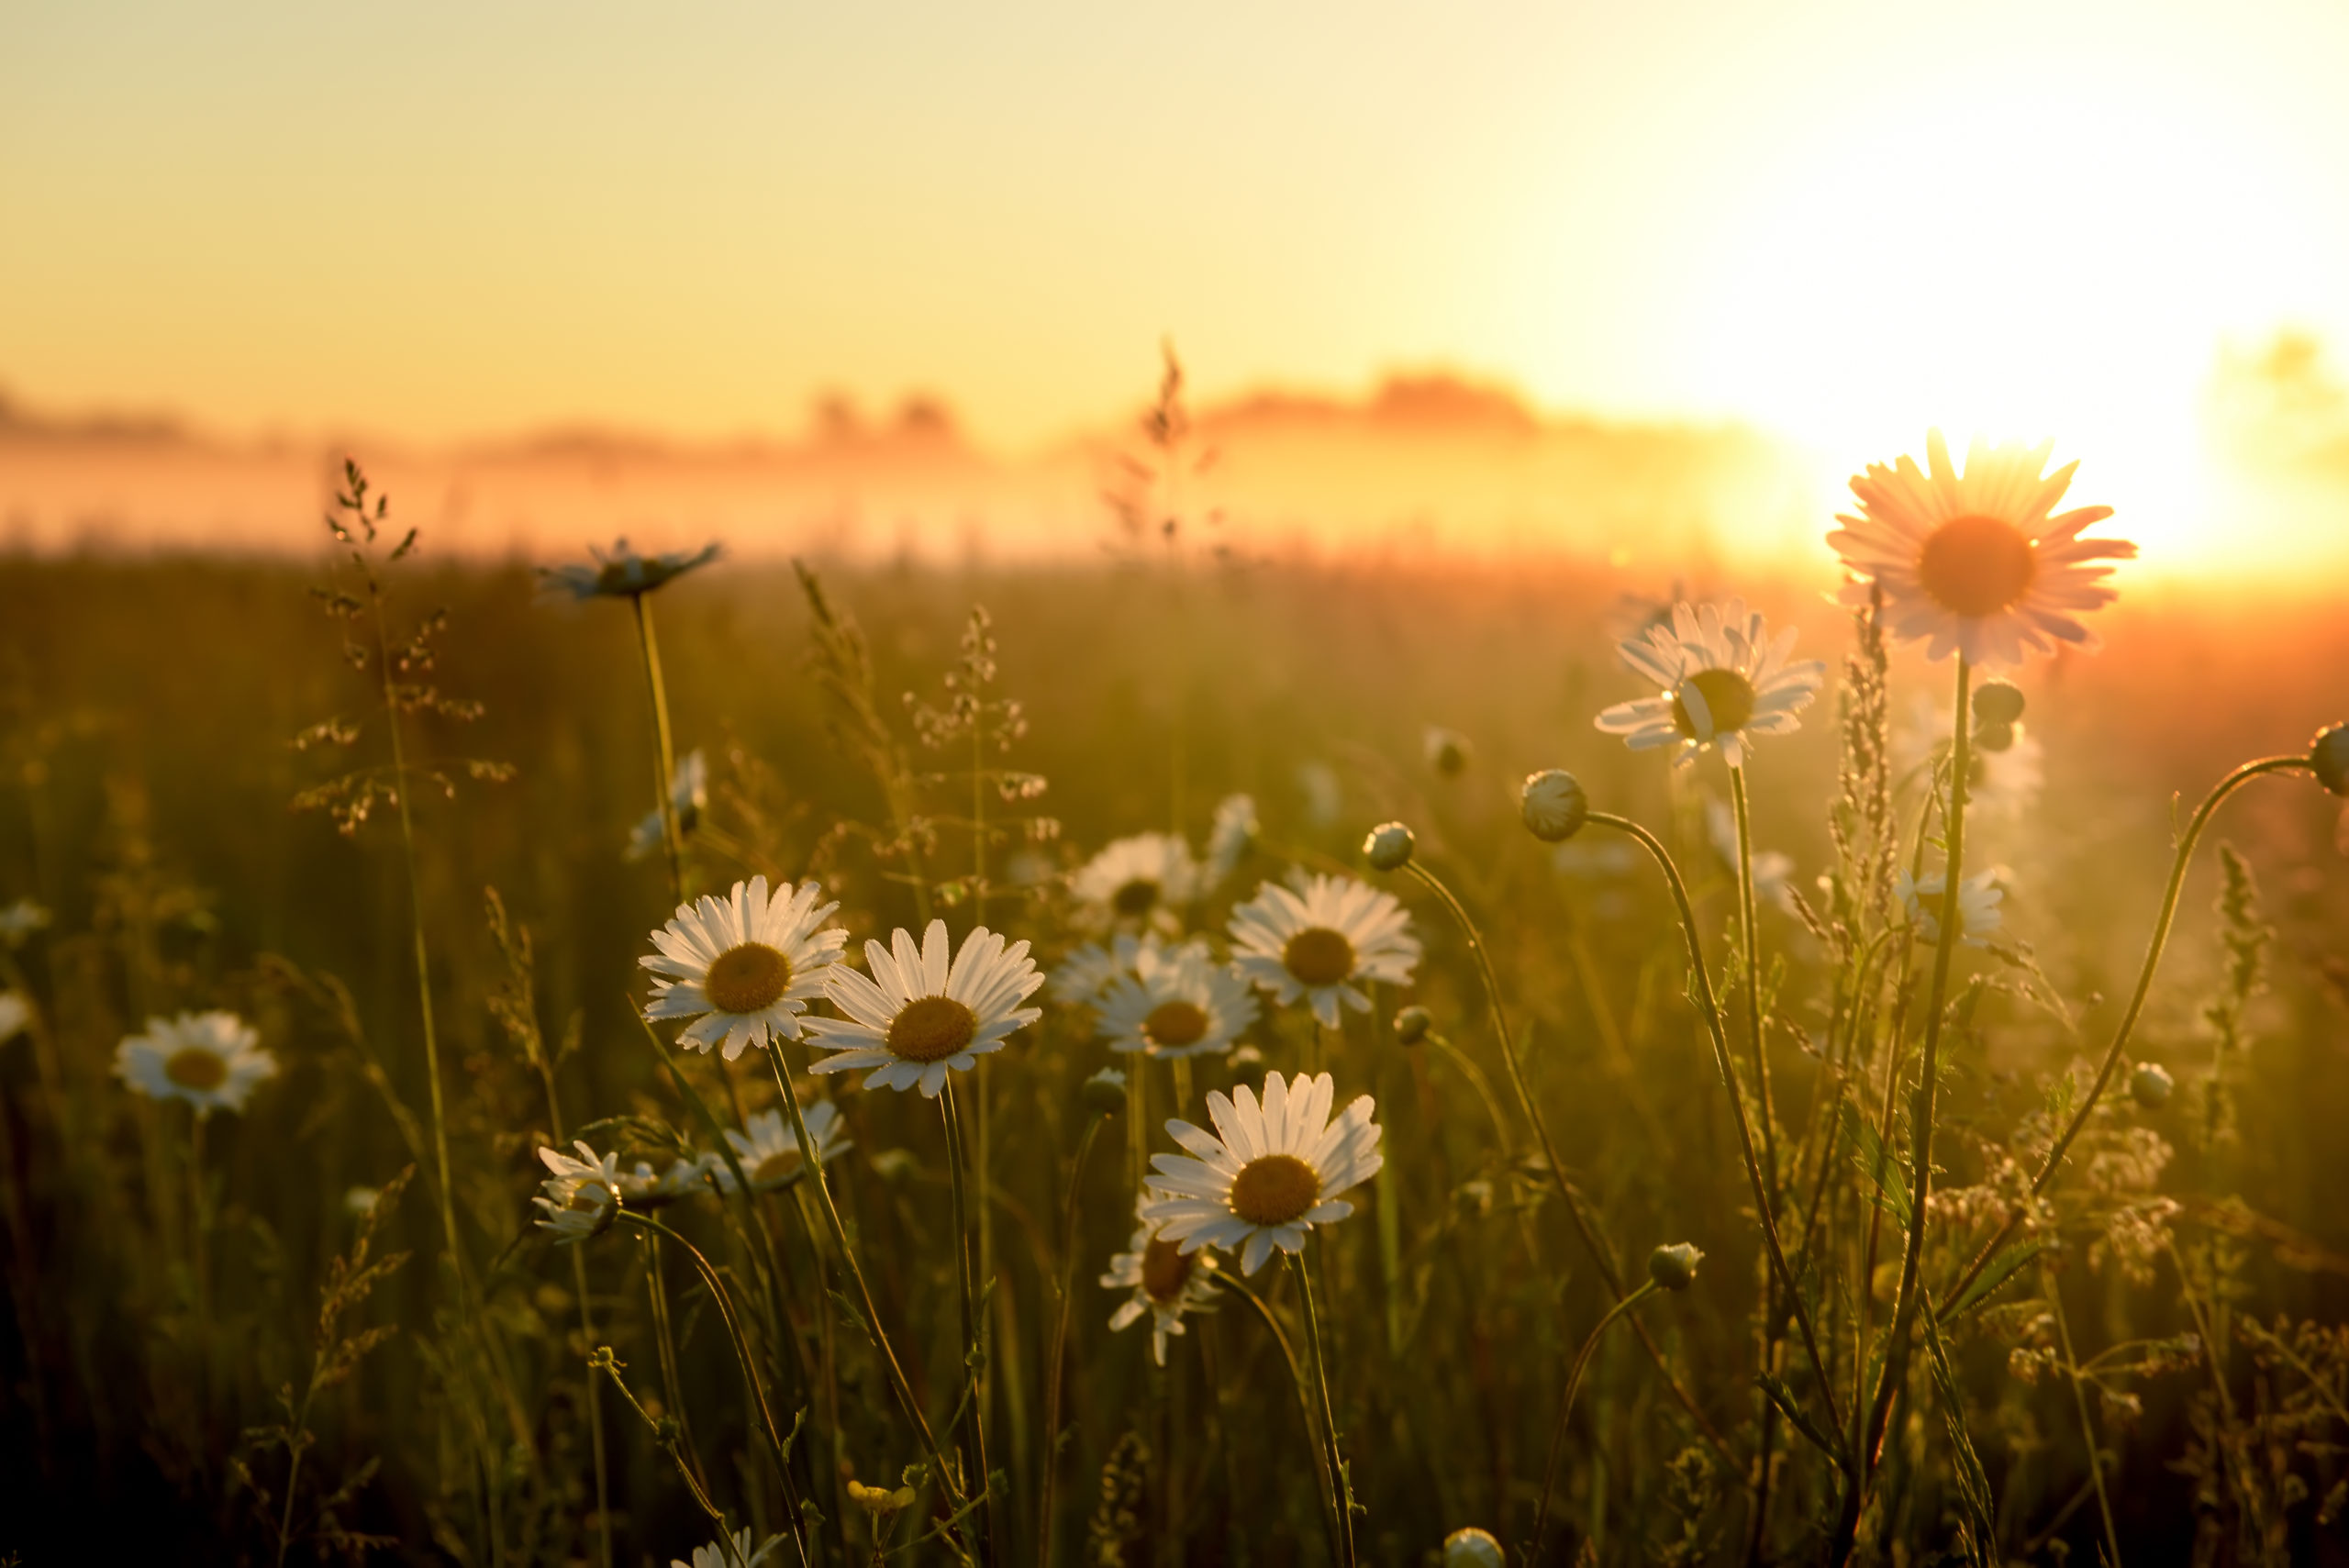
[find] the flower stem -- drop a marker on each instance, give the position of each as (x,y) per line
(1230,1279)
(1341,1491)
(1750,934)
(1056,1365)
(664,761)
(1566,1406)
(974,1359)
(2080,1403)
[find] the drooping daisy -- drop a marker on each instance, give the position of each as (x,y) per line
(1973,563)
(730,1553)
(743,967)
(688,797)
(15,1015)
(1276,1172)
(1166,1282)
(918,1018)
(1231,836)
(210,1060)
(20,920)
(1145,878)
(1978,897)
(580,1197)
(1176,1002)
(769,1152)
(621,573)
(1723,681)
(1318,941)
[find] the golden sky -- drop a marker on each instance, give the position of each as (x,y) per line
(1842,221)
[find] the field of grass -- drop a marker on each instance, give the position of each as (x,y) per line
(215,1350)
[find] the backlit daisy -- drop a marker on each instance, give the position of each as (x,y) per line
(1318,943)
(1973,563)
(730,1553)
(1722,680)
(210,1060)
(1176,1002)
(769,1150)
(621,573)
(1145,878)
(1083,975)
(1276,1172)
(916,1018)
(743,967)
(1978,897)
(1165,1282)
(580,1197)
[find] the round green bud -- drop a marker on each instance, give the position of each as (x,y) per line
(2328,755)
(1996,702)
(2151,1086)
(1105,1092)
(1447,750)
(1554,806)
(1994,737)
(1472,1548)
(1674,1267)
(1411,1025)
(1388,845)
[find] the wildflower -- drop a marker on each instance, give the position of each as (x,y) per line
(622,574)
(581,1197)
(733,1552)
(688,797)
(1722,681)
(1978,899)
(916,1018)
(1554,804)
(1086,973)
(1231,836)
(1674,1267)
(1141,879)
(1472,1548)
(1316,943)
(744,967)
(1773,871)
(210,1060)
(879,1501)
(1388,847)
(1166,1282)
(20,920)
(1447,750)
(2328,755)
(1276,1172)
(1176,1004)
(770,1150)
(2151,1085)
(1973,563)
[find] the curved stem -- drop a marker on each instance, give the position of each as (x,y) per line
(2080,1403)
(2128,1025)
(1710,1007)
(1566,1406)
(1052,1369)
(1749,930)
(664,761)
(1231,1280)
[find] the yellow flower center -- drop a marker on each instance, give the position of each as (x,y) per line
(778,1168)
(1976,566)
(1174,1023)
(931,1029)
(1135,899)
(1165,1267)
(1274,1189)
(193,1067)
(1318,956)
(747,979)
(1729,703)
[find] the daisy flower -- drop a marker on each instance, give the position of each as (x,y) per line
(581,1197)
(1175,1004)
(688,797)
(621,573)
(743,967)
(1144,878)
(1276,1172)
(15,1015)
(770,1152)
(1973,563)
(210,1060)
(1166,1282)
(916,1018)
(1231,836)
(1978,897)
(729,1553)
(1722,680)
(1088,972)
(1318,941)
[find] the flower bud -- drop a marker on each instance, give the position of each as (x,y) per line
(1447,750)
(1674,1267)
(1472,1548)
(1105,1092)
(1554,806)
(2151,1085)
(1411,1025)
(1388,845)
(1993,737)
(2328,755)
(1996,703)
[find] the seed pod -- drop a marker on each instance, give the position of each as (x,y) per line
(2151,1085)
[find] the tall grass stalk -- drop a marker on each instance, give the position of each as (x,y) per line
(1567,1409)
(1055,1367)
(975,1355)
(1342,1492)
(1326,1482)
(2080,1403)
(665,750)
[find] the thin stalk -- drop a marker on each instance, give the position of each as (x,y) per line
(1583,1225)
(2088,1428)
(1341,1490)
(1567,1407)
(603,1361)
(1749,930)
(974,1358)
(2128,1025)
(1055,1368)
(587,1331)
(664,761)
(1708,1006)
(1230,1279)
